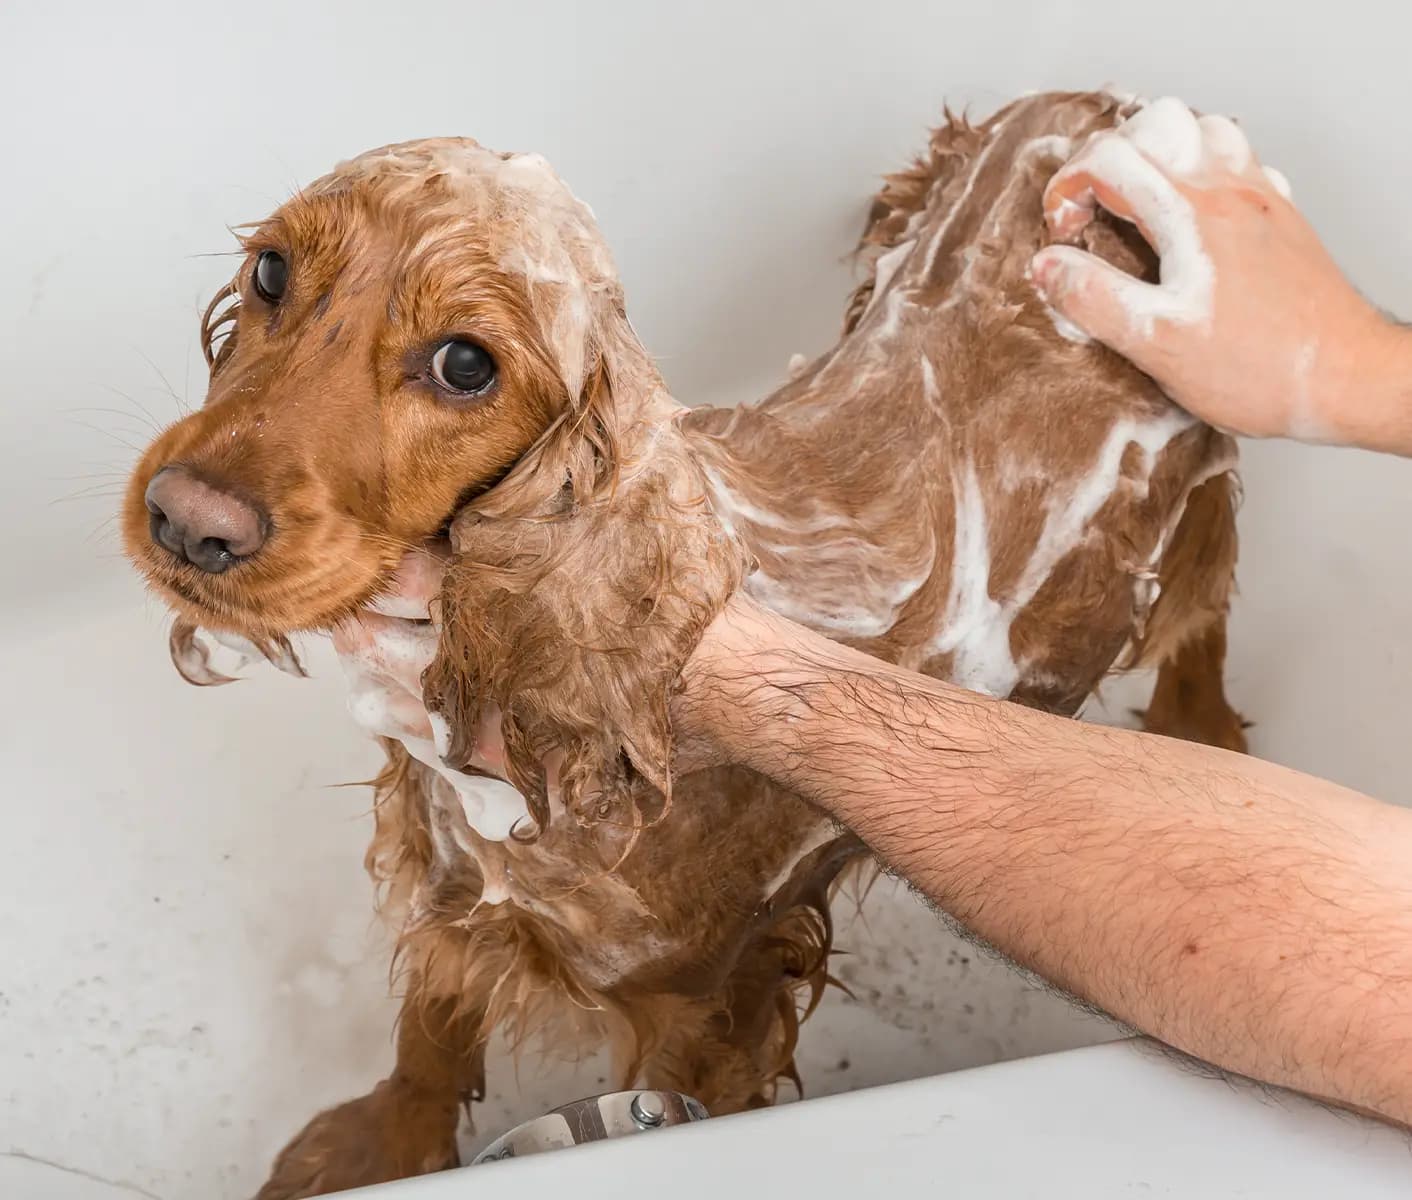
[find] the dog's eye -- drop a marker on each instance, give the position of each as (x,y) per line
(462,367)
(271,276)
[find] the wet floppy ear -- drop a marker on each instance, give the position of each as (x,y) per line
(580,586)
(583,446)
(576,625)
(597,425)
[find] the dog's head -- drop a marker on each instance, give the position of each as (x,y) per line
(398,335)
(432,339)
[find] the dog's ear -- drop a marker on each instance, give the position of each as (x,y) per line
(578,589)
(191,650)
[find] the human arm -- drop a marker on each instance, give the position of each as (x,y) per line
(1252,327)
(1249,915)
(1246,914)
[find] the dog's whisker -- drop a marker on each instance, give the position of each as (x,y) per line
(386,539)
(102,473)
(101,530)
(183,404)
(97,490)
(147,426)
(108,433)
(157,425)
(166,383)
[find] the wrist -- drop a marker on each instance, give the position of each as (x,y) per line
(720,685)
(1368,397)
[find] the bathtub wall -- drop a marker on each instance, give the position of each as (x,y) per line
(189,959)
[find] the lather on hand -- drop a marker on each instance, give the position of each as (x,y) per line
(1252,326)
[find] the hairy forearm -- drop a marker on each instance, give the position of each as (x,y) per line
(1246,914)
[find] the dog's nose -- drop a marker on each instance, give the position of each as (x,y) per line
(207,527)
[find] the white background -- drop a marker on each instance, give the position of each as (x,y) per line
(188,962)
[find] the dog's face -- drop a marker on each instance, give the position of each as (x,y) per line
(397,336)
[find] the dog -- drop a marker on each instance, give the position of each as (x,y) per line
(431,341)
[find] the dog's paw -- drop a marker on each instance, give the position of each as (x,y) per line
(392,1133)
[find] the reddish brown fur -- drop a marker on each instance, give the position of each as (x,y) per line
(599,531)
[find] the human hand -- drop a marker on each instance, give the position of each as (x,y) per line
(1253,327)
(384,651)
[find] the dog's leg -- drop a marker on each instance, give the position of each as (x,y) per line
(1186,638)
(741,1042)
(1189,700)
(407,1124)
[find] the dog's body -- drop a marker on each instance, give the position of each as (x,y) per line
(956,487)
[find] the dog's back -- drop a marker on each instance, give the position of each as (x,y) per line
(960,484)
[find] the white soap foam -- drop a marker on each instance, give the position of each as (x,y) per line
(493,807)
(981,159)
(975,629)
(731,507)
(1168,133)
(885,268)
(1226,142)
(440,733)
(1122,95)
(931,391)
(1065,327)
(495,891)
(862,608)
(1305,424)
(1187,275)
(823,833)
(1279,182)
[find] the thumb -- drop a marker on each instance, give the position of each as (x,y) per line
(1095,297)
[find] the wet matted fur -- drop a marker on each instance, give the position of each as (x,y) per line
(954,486)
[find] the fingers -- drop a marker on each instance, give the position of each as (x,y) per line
(1138,171)
(385,710)
(1229,148)
(1276,179)
(1168,133)
(386,648)
(389,646)
(1101,300)
(1177,145)
(1225,144)
(1112,171)
(416,584)
(488,753)
(490,742)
